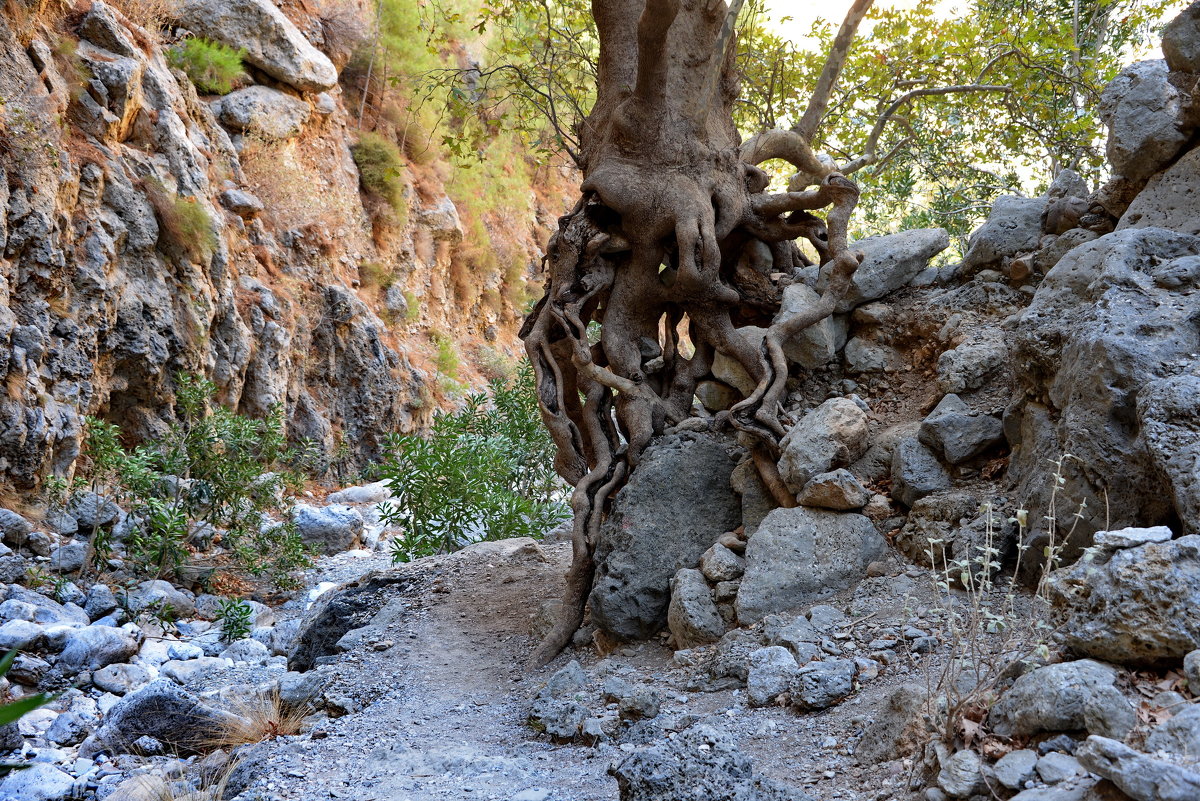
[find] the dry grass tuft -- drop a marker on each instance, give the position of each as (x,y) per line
(255,718)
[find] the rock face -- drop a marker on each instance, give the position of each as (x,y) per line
(1064,697)
(1170,200)
(1142,110)
(270,40)
(798,556)
(674,507)
(1112,318)
(890,262)
(1133,606)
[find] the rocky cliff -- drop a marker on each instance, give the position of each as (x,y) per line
(148,229)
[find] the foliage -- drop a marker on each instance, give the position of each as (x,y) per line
(482,473)
(13,711)
(184,221)
(234,617)
(213,67)
(380,168)
(212,466)
(446,360)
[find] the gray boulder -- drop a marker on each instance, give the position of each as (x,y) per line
(120,678)
(352,605)
(270,40)
(934,526)
(1142,110)
(916,472)
(838,490)
(100,600)
(817,345)
(94,647)
(1016,767)
(555,709)
(1065,697)
(799,556)
(13,528)
(654,532)
(242,203)
(20,635)
(328,529)
(1179,734)
(1181,40)
(890,262)
(899,727)
(970,365)
(68,558)
(830,436)
(161,594)
(69,728)
(164,711)
(91,510)
(701,764)
(1134,606)
(39,782)
(265,112)
(12,568)
(692,616)
(1132,537)
(772,670)
(721,564)
(958,433)
(961,774)
(865,356)
(1140,777)
(820,685)
(1013,227)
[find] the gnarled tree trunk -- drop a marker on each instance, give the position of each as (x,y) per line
(651,254)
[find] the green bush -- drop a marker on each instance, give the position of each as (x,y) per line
(381,168)
(236,619)
(447,361)
(213,67)
(482,473)
(182,220)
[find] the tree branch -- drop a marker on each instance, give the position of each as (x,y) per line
(819,102)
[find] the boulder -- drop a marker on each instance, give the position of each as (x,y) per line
(1134,606)
(270,40)
(1140,777)
(39,782)
(675,506)
(164,711)
(349,606)
(933,527)
(262,111)
(1065,697)
(820,685)
(864,356)
(958,433)
(1181,40)
(1179,734)
(377,492)
(799,556)
(1013,227)
(772,670)
(120,678)
(692,616)
(68,558)
(1015,768)
(94,647)
(1170,200)
(14,528)
(20,635)
(838,490)
(241,202)
(832,435)
(328,529)
(889,262)
(164,596)
(961,774)
(247,650)
(719,563)
(192,671)
(554,709)
(818,344)
(91,510)
(1112,318)
(970,365)
(899,726)
(916,472)
(1142,110)
(729,370)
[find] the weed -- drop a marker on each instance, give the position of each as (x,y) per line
(372,273)
(412,311)
(380,169)
(256,718)
(213,67)
(151,15)
(235,617)
(446,359)
(184,221)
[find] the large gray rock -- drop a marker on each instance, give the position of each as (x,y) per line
(94,647)
(890,262)
(68,558)
(1179,734)
(38,782)
(1170,200)
(961,774)
(91,510)
(265,112)
(701,764)
(1142,110)
(351,606)
(958,433)
(970,365)
(816,345)
(832,435)
(328,529)
(1013,226)
(820,685)
(916,472)
(164,596)
(1015,768)
(1140,777)
(270,40)
(837,489)
(933,527)
(1111,318)
(1134,606)
(900,726)
(164,711)
(772,670)
(799,556)
(13,528)
(1181,40)
(692,616)
(1064,697)
(676,504)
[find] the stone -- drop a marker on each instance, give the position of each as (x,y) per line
(68,558)
(837,489)
(262,111)
(1013,227)
(1130,537)
(970,365)
(1140,777)
(243,204)
(302,691)
(1191,669)
(916,472)
(99,601)
(716,396)
(729,370)
(820,685)
(1179,734)
(192,671)
(163,595)
(184,651)
(772,670)
(700,764)
(831,436)
(1015,768)
(164,711)
(120,679)
(1136,606)
(818,344)
(1064,697)
(69,729)
(329,529)
(1169,413)
(1057,767)
(961,774)
(1142,110)
(719,563)
(692,616)
(933,527)
(27,669)
(14,528)
(91,510)
(651,534)
(247,650)
(379,595)
(12,568)
(376,492)
(799,556)
(889,263)
(864,356)
(958,433)
(39,782)
(796,634)
(94,647)
(20,635)
(898,728)
(1171,199)
(1181,41)
(876,464)
(270,40)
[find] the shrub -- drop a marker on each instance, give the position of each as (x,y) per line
(152,15)
(213,67)
(372,273)
(183,221)
(234,616)
(482,473)
(446,360)
(380,168)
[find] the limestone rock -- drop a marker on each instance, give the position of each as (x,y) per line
(916,472)
(161,710)
(1191,669)
(1142,110)
(971,364)
(1170,200)
(651,533)
(961,774)
(798,556)
(1131,537)
(328,529)
(890,262)
(39,782)
(1140,777)
(820,685)
(13,528)
(120,678)
(1013,226)
(956,432)
(270,40)
(350,606)
(1181,41)
(832,435)
(1179,735)
(94,647)
(816,345)
(262,111)
(1064,697)
(692,616)
(838,490)
(772,670)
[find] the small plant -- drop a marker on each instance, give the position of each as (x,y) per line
(446,359)
(184,221)
(372,273)
(256,718)
(235,617)
(380,168)
(213,67)
(13,711)
(412,311)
